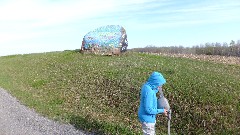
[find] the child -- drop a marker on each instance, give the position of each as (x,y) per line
(148,103)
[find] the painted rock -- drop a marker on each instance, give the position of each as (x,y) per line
(109,39)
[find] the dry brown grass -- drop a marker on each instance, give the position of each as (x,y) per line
(212,58)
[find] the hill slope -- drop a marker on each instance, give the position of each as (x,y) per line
(101,93)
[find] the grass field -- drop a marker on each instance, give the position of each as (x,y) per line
(101,93)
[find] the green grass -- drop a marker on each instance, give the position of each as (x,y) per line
(101,93)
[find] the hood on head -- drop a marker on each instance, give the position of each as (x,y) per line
(156,79)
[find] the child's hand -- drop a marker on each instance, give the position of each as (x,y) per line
(165,112)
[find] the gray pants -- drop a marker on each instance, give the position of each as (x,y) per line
(148,128)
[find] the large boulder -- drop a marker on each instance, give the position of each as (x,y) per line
(110,39)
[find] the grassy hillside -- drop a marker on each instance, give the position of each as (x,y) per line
(101,93)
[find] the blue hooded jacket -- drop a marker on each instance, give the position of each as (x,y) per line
(148,101)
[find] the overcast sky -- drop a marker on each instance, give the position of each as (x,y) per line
(30,26)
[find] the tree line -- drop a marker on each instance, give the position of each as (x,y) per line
(222,49)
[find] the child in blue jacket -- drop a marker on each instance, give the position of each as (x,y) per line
(148,103)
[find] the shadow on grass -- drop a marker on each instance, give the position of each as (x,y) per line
(99,128)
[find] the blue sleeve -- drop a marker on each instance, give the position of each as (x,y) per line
(148,104)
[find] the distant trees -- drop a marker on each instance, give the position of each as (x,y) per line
(223,49)
(233,49)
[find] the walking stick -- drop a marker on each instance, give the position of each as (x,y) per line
(169,118)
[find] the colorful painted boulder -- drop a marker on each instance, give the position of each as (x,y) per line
(110,39)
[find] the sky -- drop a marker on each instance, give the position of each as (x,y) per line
(36,26)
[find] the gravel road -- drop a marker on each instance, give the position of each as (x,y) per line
(17,119)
